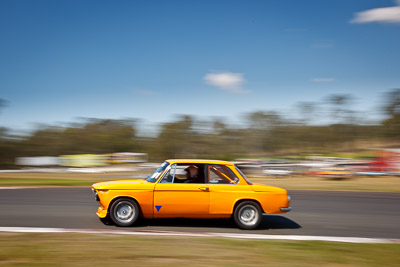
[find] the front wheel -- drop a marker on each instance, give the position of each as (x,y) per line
(124,212)
(247,215)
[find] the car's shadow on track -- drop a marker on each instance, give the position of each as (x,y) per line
(268,222)
(277,222)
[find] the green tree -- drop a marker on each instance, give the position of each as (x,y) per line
(307,111)
(175,140)
(340,108)
(392,111)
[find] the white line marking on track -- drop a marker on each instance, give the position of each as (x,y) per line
(191,234)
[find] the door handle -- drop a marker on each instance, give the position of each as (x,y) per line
(204,188)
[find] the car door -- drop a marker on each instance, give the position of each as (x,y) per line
(224,189)
(178,199)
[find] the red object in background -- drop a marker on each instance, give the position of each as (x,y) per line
(380,164)
(387,161)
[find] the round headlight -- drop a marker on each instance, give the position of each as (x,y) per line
(96,196)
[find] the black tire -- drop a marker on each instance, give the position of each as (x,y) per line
(124,212)
(247,215)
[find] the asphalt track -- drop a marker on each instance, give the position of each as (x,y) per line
(315,213)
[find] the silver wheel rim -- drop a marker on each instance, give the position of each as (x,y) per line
(124,212)
(248,215)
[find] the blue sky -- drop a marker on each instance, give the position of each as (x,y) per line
(60,60)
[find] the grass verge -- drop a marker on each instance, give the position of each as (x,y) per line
(355,183)
(106,250)
(55,179)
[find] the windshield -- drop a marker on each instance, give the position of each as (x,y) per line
(153,178)
(244,176)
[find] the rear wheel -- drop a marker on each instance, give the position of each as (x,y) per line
(247,215)
(124,212)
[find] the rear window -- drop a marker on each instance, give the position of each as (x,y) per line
(221,174)
(244,176)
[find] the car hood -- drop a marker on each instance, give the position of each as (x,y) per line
(268,188)
(123,184)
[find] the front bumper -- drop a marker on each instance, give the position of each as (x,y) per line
(286,209)
(102,213)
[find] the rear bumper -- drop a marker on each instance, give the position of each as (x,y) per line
(286,209)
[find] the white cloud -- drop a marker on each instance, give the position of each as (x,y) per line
(323,80)
(382,15)
(227,81)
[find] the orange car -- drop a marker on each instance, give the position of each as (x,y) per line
(190,189)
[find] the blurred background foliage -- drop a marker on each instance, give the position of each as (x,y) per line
(261,134)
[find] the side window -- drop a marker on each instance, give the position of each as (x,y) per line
(169,175)
(180,175)
(220,174)
(184,173)
(190,173)
(244,176)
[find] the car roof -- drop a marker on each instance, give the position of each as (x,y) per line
(202,161)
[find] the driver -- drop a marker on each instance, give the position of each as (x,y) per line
(192,174)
